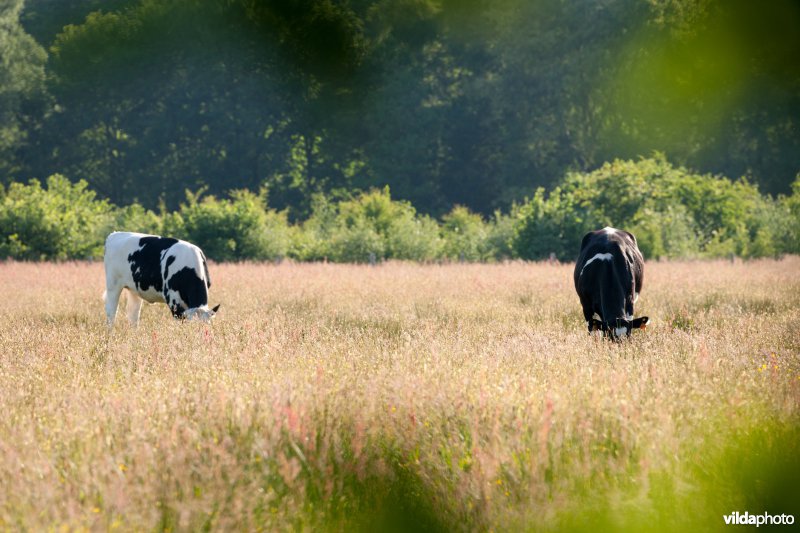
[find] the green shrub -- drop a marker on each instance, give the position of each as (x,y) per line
(500,234)
(231,230)
(369,223)
(665,233)
(673,212)
(404,234)
(721,209)
(356,244)
(465,234)
(551,225)
(136,218)
(413,238)
(310,240)
(786,237)
(61,221)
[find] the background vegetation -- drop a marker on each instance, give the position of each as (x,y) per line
(673,212)
(448,102)
(401,397)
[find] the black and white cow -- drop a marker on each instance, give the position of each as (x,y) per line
(608,277)
(156,269)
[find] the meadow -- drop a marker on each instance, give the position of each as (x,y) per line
(400,397)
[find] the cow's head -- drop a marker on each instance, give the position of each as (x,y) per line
(621,327)
(202,313)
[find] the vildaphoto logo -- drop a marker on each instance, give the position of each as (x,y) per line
(766,519)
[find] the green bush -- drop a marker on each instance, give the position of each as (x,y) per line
(665,233)
(466,235)
(136,218)
(311,240)
(61,221)
(413,238)
(673,212)
(500,235)
(373,223)
(231,230)
(358,243)
(402,234)
(369,225)
(552,224)
(786,237)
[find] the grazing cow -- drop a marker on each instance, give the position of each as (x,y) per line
(156,269)
(608,278)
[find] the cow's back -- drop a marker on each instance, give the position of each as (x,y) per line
(609,247)
(119,245)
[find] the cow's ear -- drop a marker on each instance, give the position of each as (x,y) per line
(640,323)
(215,309)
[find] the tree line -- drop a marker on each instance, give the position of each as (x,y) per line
(674,213)
(446,102)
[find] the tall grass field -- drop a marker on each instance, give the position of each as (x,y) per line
(400,397)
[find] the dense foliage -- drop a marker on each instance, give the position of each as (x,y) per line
(448,102)
(61,221)
(238,228)
(674,213)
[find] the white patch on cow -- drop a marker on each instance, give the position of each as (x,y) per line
(134,307)
(151,295)
(619,332)
(635,296)
(596,316)
(601,257)
(202,313)
(609,230)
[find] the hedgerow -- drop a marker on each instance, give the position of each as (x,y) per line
(673,212)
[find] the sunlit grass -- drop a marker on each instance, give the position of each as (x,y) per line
(400,397)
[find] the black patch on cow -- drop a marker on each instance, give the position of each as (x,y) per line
(170,260)
(191,288)
(146,262)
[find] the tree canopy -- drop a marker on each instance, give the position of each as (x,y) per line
(447,102)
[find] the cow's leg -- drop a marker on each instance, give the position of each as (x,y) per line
(134,308)
(586,304)
(112,301)
(593,321)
